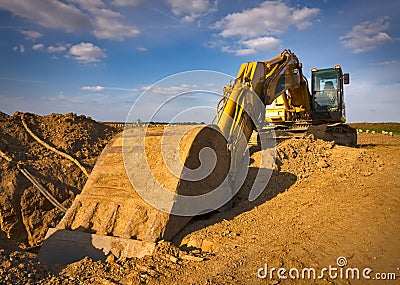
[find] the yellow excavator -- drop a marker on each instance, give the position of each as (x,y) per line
(149,182)
(322,115)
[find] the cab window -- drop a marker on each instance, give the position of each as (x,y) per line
(325,91)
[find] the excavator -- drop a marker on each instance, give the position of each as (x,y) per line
(323,115)
(149,182)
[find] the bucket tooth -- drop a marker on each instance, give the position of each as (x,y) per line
(107,226)
(69,217)
(138,217)
(87,219)
(154,228)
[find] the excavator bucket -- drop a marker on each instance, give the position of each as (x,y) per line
(110,215)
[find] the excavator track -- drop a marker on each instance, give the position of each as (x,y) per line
(340,133)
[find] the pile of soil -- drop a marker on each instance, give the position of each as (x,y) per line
(25,215)
(165,262)
(20,267)
(304,155)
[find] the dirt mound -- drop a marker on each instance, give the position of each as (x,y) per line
(19,267)
(25,215)
(165,262)
(302,156)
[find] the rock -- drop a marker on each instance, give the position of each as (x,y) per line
(194,242)
(322,164)
(185,241)
(110,258)
(173,259)
(148,270)
(207,245)
(192,258)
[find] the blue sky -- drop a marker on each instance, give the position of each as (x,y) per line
(96,57)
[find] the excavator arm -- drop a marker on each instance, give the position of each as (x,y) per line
(258,84)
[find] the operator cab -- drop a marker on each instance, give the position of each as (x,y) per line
(327,93)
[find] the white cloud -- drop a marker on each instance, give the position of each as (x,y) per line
(19,48)
(366,36)
(142,49)
(193,9)
(88,4)
(38,47)
(48,13)
(83,52)
(256,29)
(86,52)
(123,3)
(169,90)
(58,48)
(390,63)
(270,18)
(180,7)
(97,88)
(31,35)
(243,51)
(72,16)
(254,45)
(190,18)
(263,43)
(108,25)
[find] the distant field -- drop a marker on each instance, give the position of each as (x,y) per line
(378,127)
